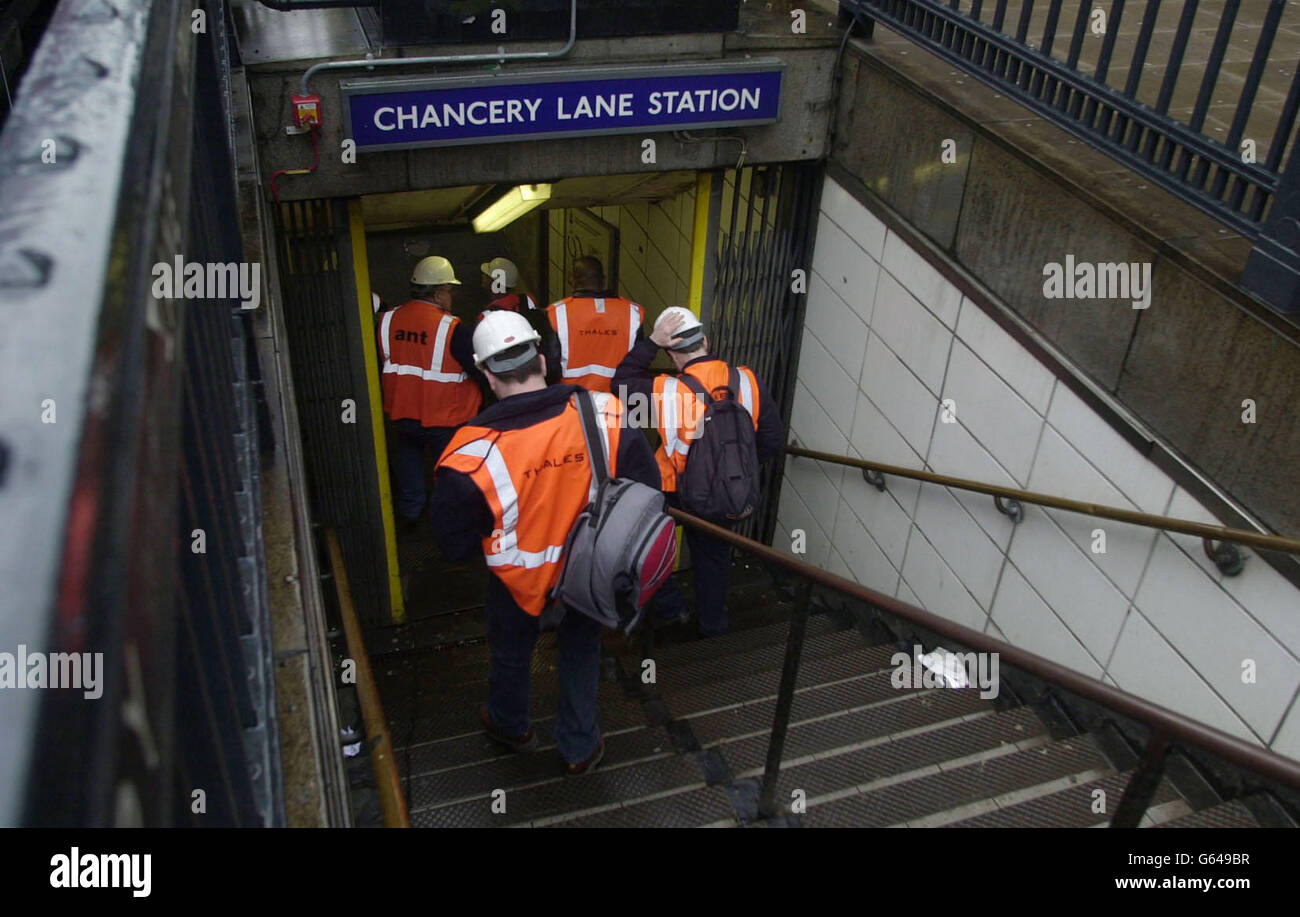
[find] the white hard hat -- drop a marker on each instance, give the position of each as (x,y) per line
(499,332)
(434,271)
(690,333)
(505,266)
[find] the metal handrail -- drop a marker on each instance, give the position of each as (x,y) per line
(1166,725)
(387,780)
(1150,520)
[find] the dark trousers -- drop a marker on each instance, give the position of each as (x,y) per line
(512,634)
(409,444)
(711,561)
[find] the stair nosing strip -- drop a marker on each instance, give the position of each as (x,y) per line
(872,742)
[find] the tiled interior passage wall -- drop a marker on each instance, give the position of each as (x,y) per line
(887,339)
(654,251)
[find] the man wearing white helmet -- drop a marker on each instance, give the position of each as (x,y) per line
(501,274)
(677,414)
(429,380)
(501,277)
(511,484)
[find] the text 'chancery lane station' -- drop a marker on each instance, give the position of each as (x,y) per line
(385,114)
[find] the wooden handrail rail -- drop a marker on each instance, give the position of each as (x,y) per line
(389,783)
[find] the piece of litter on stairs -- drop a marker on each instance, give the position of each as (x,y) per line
(947,667)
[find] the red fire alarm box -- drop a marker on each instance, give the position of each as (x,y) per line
(306,111)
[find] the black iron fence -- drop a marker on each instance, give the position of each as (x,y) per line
(134,536)
(1199,96)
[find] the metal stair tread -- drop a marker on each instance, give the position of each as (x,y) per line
(678,675)
(912,710)
(726,691)
(513,770)
(1072,807)
(862,762)
(687,809)
(603,787)
(941,787)
(1232,814)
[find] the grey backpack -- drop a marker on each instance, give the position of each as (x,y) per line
(621,548)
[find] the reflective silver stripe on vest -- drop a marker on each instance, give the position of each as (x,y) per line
(384,324)
(562,332)
(434,372)
(601,402)
(508,553)
(672,418)
(746,393)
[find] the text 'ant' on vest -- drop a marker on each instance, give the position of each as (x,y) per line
(402,335)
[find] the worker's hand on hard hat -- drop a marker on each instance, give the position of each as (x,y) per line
(671,322)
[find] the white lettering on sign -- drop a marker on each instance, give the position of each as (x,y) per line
(614,105)
(675,101)
(498,111)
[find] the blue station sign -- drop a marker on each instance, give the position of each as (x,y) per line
(388,114)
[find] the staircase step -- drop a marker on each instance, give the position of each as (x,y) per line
(951,785)
(757,715)
(739,641)
(1070,807)
(861,761)
(1232,814)
(911,710)
(512,771)
(853,660)
(675,675)
(454,714)
(688,809)
(607,786)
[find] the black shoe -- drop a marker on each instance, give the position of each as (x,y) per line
(525,742)
(586,767)
(406,526)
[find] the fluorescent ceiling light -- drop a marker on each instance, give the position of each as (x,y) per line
(511,206)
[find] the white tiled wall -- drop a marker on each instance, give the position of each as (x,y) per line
(654,251)
(887,339)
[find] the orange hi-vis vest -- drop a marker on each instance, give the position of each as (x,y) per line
(680,410)
(422,380)
(595,335)
(536,481)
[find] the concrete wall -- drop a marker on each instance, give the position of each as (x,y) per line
(800,134)
(887,339)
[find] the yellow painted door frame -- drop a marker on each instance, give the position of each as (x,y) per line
(361,269)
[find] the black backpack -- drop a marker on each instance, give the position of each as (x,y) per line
(721,476)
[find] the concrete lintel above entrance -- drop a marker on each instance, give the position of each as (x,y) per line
(799,134)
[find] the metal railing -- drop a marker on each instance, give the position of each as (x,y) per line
(1219,540)
(392,802)
(1165,726)
(1069,83)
